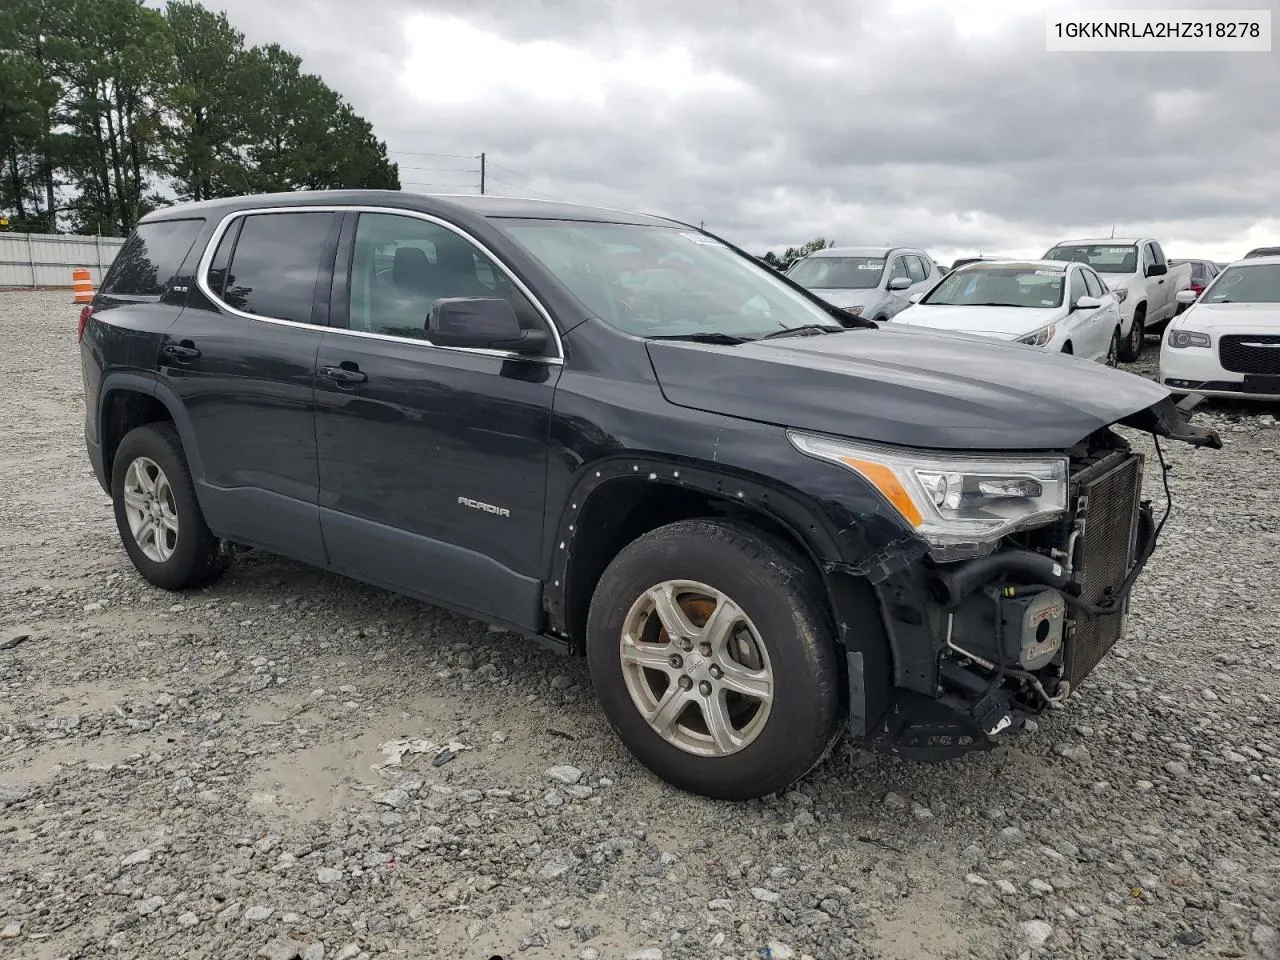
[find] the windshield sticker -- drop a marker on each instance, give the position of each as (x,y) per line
(1047,303)
(702,240)
(871,266)
(1116,251)
(1048,273)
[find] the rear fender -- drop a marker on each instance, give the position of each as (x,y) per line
(152,386)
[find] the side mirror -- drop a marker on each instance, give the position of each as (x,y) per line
(916,297)
(482,323)
(1157,270)
(899,283)
(1087,303)
(1187,296)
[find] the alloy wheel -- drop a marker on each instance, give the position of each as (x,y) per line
(696,668)
(151,510)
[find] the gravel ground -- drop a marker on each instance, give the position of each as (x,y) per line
(197,775)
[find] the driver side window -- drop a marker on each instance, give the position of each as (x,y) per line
(899,269)
(402,265)
(1093,284)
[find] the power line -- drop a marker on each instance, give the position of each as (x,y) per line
(546,183)
(449,156)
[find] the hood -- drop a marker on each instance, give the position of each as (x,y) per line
(1114,281)
(913,387)
(1005,323)
(847,298)
(1260,317)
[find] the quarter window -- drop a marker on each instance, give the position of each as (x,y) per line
(151,256)
(402,265)
(275,265)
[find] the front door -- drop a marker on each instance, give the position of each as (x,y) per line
(432,460)
(242,359)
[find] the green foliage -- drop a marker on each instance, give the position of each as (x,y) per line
(783,261)
(109,108)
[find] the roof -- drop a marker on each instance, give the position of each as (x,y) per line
(485,206)
(854,252)
(1020,264)
(1272,260)
(1101,241)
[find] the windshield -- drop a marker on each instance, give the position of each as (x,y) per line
(1251,284)
(838,273)
(653,281)
(1103,257)
(999,287)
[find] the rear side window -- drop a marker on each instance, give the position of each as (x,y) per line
(151,256)
(276,263)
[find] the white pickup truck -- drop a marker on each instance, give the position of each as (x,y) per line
(1137,272)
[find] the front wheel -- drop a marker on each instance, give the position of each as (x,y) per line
(1137,338)
(1113,349)
(714,660)
(159,519)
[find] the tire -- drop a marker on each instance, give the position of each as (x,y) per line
(783,633)
(1112,358)
(181,552)
(1133,344)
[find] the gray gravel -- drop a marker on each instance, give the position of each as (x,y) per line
(201,775)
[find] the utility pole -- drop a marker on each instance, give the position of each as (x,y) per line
(1113,231)
(482,173)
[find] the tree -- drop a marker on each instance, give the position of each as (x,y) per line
(208,105)
(783,262)
(109,108)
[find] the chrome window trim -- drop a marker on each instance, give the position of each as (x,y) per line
(211,249)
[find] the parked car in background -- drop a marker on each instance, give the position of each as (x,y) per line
(1202,272)
(767,525)
(1262,252)
(871,282)
(965,261)
(1227,343)
(1060,307)
(1137,272)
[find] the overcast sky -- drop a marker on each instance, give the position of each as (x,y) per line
(943,123)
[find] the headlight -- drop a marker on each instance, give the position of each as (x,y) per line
(1121,295)
(1040,337)
(853,311)
(960,505)
(1189,338)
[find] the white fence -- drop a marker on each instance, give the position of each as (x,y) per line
(47,259)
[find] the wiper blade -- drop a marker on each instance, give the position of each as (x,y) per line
(721,338)
(803,330)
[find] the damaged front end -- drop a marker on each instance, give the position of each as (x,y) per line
(982,643)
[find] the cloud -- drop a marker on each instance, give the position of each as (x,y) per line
(938,122)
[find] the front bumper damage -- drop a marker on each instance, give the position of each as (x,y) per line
(981,645)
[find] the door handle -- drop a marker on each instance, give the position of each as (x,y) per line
(180,352)
(346,374)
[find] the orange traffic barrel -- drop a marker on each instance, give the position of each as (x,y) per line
(82,285)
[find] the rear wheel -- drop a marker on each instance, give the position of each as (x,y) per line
(714,660)
(157,514)
(1137,338)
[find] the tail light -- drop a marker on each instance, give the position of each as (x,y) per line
(1197,287)
(85,314)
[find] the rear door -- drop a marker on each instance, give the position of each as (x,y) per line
(433,460)
(242,361)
